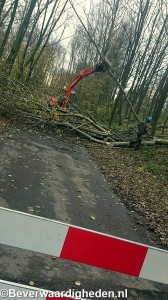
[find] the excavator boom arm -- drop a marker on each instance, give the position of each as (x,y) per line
(102,67)
(82,74)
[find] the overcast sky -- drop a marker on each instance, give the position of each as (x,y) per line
(80,6)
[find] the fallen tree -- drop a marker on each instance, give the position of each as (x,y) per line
(20,104)
(148,143)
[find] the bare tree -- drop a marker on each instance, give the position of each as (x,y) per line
(2,3)
(7,32)
(19,37)
(44,38)
(159,99)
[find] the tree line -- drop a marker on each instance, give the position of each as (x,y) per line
(132,35)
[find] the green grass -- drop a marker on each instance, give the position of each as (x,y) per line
(151,166)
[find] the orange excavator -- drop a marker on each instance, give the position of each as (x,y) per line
(63,103)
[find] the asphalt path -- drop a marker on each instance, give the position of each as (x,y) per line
(53,178)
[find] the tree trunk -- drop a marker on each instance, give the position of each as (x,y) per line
(2,3)
(164,126)
(5,39)
(148,143)
(19,37)
(160,98)
(33,61)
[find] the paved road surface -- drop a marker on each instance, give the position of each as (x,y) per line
(49,177)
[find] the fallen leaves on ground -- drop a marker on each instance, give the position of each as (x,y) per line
(4,125)
(141,179)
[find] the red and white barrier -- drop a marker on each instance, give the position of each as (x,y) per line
(81,245)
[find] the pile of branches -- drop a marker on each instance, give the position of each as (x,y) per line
(38,114)
(19,103)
